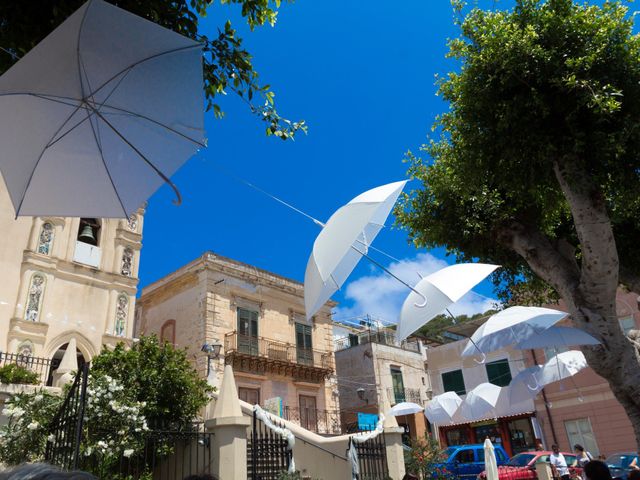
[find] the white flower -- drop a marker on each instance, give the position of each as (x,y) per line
(51,438)
(33,425)
(38,397)
(128,452)
(18,412)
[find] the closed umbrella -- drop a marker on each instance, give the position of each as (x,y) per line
(510,326)
(480,402)
(404,408)
(441,289)
(490,463)
(99,115)
(344,239)
(442,408)
(555,337)
(563,365)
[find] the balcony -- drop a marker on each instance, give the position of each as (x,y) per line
(324,422)
(260,355)
(405,395)
(380,336)
(87,254)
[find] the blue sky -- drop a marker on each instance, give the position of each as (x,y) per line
(361,74)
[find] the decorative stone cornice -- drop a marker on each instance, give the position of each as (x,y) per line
(19,328)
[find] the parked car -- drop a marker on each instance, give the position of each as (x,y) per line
(618,464)
(523,466)
(465,462)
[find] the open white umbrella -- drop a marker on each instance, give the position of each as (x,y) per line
(442,408)
(524,385)
(557,337)
(441,289)
(404,408)
(99,115)
(510,326)
(490,463)
(561,366)
(480,402)
(344,239)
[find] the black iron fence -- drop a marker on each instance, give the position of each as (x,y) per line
(276,351)
(320,421)
(39,366)
(379,336)
(372,459)
(397,395)
(65,430)
(267,453)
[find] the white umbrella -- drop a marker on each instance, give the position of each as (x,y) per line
(441,289)
(524,385)
(404,408)
(561,366)
(99,114)
(557,337)
(480,402)
(443,407)
(510,326)
(490,463)
(344,239)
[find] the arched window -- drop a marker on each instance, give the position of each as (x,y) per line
(127,262)
(25,354)
(89,231)
(34,297)
(168,332)
(45,241)
(122,309)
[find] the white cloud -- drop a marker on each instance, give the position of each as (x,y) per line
(381,296)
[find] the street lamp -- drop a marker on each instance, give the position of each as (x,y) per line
(213,352)
(360,393)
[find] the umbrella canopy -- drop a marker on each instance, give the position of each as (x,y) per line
(563,365)
(557,337)
(524,385)
(99,114)
(490,463)
(404,408)
(342,241)
(443,407)
(441,289)
(480,402)
(510,326)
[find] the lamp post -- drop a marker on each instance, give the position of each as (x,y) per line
(213,352)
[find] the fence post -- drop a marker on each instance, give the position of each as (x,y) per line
(230,431)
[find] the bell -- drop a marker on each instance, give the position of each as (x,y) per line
(86,235)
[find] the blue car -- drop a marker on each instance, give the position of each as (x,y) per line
(619,464)
(465,462)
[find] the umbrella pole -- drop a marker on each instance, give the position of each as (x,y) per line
(484,355)
(386,270)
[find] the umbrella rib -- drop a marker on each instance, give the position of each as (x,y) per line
(149,119)
(26,188)
(44,96)
(146,59)
(178,200)
(104,162)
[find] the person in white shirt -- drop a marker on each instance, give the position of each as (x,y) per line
(557,460)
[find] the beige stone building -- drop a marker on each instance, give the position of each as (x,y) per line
(375,372)
(63,278)
(281,361)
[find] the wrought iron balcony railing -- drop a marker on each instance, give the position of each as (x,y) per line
(405,395)
(320,421)
(273,354)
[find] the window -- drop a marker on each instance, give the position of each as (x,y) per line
(45,240)
(454,382)
(303,343)
(398,384)
(579,431)
(499,373)
(626,324)
(247,331)
(34,297)
(551,352)
(168,332)
(122,310)
(465,456)
(127,262)
(308,413)
(88,231)
(249,395)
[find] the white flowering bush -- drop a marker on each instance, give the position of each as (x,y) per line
(25,436)
(113,426)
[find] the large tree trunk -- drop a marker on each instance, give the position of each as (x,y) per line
(589,289)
